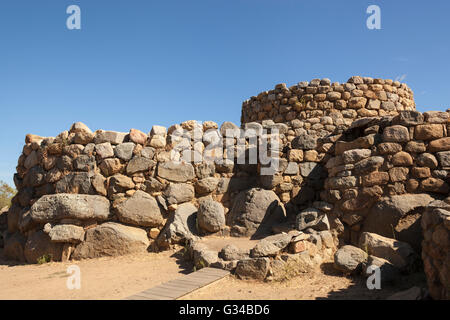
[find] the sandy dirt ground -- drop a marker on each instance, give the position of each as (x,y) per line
(118,278)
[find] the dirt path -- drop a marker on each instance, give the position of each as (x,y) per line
(103,278)
(118,278)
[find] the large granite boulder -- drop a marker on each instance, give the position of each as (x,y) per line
(70,206)
(111,239)
(176,171)
(177,193)
(141,210)
(181,226)
(211,215)
(254,212)
(350,259)
(400,214)
(39,245)
(253,268)
(399,254)
(66,233)
(14,247)
(271,245)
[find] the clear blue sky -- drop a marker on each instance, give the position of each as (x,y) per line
(136,63)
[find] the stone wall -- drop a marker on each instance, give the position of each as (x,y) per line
(354,158)
(436,248)
(359,97)
(381,181)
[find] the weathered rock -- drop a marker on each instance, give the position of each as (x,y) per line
(230,127)
(444,158)
(124,151)
(176,171)
(439,145)
(396,133)
(104,150)
(402,159)
(39,245)
(84,163)
(70,206)
(66,233)
(14,247)
(349,259)
(112,137)
(388,271)
(157,142)
(387,215)
(139,164)
(111,239)
(138,136)
(253,268)
(206,185)
(271,246)
(292,169)
(177,193)
(307,218)
(79,127)
(429,132)
(201,255)
(110,166)
(408,118)
(254,211)
(231,252)
(32,160)
(437,116)
(355,155)
(119,183)
(211,215)
(181,227)
(307,169)
(427,160)
(400,254)
(140,210)
(304,142)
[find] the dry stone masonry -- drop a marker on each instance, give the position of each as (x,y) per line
(350,173)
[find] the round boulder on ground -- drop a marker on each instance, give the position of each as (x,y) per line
(254,212)
(211,215)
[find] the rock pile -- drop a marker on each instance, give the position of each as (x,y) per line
(277,257)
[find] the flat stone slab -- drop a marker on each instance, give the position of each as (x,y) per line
(182,286)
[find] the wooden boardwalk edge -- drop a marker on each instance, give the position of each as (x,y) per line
(182,286)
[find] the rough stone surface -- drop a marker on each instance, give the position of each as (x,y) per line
(177,193)
(66,233)
(254,211)
(140,210)
(271,245)
(39,245)
(253,268)
(181,227)
(76,206)
(349,259)
(211,215)
(176,172)
(111,239)
(400,254)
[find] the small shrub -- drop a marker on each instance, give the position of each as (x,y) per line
(46,258)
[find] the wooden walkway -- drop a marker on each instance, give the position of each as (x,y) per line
(180,287)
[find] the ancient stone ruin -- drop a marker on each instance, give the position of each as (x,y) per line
(349,173)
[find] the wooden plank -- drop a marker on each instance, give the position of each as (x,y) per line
(145,296)
(182,286)
(160,293)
